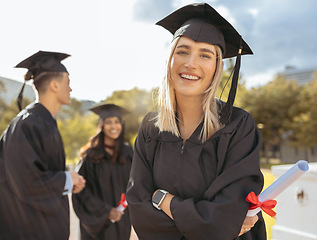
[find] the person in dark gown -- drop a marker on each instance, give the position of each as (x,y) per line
(106,162)
(33,180)
(197,158)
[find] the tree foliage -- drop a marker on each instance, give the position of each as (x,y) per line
(274,108)
(3,104)
(138,102)
(304,126)
(8,112)
(75,132)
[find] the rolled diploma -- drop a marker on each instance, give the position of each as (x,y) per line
(280,184)
(121,207)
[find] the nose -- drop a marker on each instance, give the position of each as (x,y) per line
(191,62)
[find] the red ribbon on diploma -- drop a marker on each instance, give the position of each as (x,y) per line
(265,206)
(123,201)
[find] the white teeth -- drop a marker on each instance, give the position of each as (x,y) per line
(191,77)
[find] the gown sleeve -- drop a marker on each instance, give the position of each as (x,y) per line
(92,212)
(28,165)
(148,222)
(220,214)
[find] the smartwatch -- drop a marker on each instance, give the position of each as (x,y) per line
(158,198)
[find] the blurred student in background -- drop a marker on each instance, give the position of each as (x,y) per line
(105,164)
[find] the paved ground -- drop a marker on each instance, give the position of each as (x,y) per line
(74,226)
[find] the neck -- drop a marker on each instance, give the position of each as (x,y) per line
(109,142)
(190,110)
(50,104)
(190,113)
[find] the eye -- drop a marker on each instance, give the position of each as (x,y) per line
(108,122)
(182,52)
(205,56)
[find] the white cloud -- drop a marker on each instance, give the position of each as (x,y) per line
(260,78)
(112,49)
(254,12)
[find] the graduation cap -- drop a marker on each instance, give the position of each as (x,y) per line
(202,23)
(38,63)
(109,110)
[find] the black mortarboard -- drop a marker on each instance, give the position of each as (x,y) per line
(41,62)
(202,23)
(109,110)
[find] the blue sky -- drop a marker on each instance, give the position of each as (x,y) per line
(115,45)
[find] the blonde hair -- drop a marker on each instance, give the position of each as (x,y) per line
(166,118)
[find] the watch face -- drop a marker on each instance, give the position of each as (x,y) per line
(157,197)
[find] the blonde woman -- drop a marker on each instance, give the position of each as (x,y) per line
(197,158)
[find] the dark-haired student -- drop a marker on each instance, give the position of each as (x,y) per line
(105,163)
(33,181)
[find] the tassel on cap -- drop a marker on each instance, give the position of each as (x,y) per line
(20,97)
(227,109)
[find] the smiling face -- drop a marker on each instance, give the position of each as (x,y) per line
(193,66)
(112,128)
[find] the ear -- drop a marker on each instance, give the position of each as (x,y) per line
(54,85)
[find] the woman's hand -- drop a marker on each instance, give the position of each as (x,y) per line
(115,215)
(248,224)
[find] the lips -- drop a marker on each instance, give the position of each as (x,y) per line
(113,131)
(189,77)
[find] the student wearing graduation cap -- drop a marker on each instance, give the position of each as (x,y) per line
(105,163)
(197,158)
(33,181)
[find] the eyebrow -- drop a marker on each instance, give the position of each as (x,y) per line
(201,49)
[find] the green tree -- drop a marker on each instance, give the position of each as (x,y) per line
(274,108)
(2,87)
(71,110)
(75,132)
(8,112)
(304,126)
(3,104)
(138,102)
(76,127)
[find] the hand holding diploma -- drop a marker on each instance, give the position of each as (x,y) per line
(121,206)
(265,200)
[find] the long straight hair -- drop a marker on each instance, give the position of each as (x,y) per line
(167,105)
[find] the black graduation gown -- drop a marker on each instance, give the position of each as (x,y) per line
(209,180)
(105,182)
(32,178)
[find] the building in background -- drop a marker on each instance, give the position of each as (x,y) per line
(301,76)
